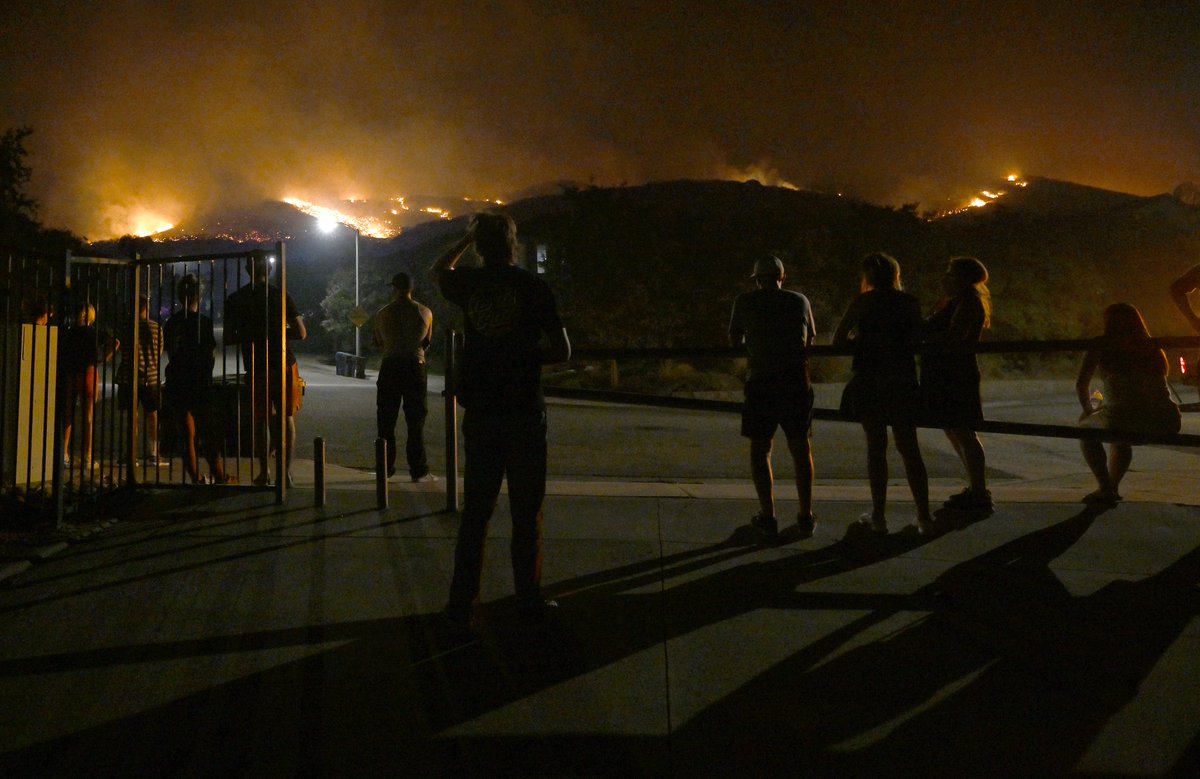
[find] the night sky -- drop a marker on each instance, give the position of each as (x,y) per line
(151,108)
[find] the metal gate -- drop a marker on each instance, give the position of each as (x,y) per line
(86,412)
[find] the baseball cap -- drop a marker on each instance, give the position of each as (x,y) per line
(768,266)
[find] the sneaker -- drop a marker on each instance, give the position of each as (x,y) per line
(877,526)
(428,478)
(806,524)
(537,609)
(970,499)
(154,461)
(765,525)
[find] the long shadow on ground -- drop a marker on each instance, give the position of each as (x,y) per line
(1008,674)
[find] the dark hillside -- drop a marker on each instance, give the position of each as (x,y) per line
(659,265)
(1059,253)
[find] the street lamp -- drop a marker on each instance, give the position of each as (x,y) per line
(328,225)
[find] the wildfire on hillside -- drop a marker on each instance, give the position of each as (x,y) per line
(987,196)
(372,226)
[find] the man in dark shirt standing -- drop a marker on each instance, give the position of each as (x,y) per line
(252,316)
(507,311)
(777,327)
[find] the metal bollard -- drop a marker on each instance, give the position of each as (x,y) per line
(381,486)
(318,472)
(451,422)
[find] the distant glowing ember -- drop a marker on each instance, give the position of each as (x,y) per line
(986,196)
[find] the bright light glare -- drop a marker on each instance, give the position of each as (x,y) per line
(326,224)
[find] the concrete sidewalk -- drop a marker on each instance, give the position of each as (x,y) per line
(213,633)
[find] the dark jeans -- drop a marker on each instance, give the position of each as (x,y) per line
(403,383)
(496,446)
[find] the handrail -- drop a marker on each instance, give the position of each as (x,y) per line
(828,350)
(832,415)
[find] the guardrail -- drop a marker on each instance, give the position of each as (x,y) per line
(824,414)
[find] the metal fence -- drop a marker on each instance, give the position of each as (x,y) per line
(454,341)
(830,414)
(86,413)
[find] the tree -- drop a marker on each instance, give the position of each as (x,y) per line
(19,227)
(15,173)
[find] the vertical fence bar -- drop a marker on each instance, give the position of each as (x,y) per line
(450,393)
(318,472)
(282,442)
(132,352)
(381,485)
(58,480)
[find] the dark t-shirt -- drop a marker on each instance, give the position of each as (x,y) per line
(252,315)
(887,329)
(189,343)
(506,312)
(81,347)
(776,325)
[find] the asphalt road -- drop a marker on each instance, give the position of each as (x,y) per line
(603,441)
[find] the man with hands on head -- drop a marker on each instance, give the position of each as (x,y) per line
(512,329)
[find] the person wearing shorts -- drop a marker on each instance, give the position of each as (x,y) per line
(251,314)
(776,326)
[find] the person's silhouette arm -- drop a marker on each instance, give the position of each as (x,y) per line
(1179,294)
(737,328)
(296,331)
(427,339)
(558,347)
(1083,382)
(841,336)
(451,256)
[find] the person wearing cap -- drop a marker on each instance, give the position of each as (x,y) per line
(776,326)
(402,331)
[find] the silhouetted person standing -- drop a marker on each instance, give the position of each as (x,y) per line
(147,361)
(190,345)
(402,331)
(950,380)
(512,329)
(883,324)
(252,316)
(84,347)
(777,328)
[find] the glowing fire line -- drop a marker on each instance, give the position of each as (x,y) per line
(366,225)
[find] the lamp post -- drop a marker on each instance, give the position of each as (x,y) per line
(328,226)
